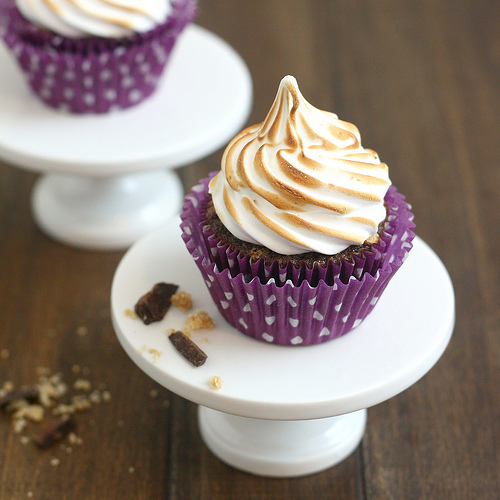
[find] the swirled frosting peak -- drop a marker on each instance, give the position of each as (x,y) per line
(102,18)
(300,181)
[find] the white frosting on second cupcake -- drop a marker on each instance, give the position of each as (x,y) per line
(101,18)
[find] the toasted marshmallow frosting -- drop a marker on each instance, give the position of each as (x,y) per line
(300,181)
(102,18)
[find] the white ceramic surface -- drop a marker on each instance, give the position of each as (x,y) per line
(99,213)
(398,343)
(204,97)
(281,448)
(284,411)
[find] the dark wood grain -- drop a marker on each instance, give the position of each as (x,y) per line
(421,80)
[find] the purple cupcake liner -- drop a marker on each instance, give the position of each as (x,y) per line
(309,310)
(93,75)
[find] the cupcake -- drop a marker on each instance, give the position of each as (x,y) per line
(301,231)
(93,56)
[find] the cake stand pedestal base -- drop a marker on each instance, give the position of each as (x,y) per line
(281,448)
(105,213)
(198,107)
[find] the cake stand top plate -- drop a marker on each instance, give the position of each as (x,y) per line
(204,96)
(397,344)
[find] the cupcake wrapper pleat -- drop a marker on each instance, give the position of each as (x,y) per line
(93,75)
(295,306)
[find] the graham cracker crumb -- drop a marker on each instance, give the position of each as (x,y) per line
(81,331)
(8,386)
(106,396)
(25,440)
(81,403)
(82,385)
(35,413)
(131,313)
(199,319)
(142,349)
(16,405)
(215,381)
(95,397)
(19,424)
(63,409)
(153,393)
(29,494)
(54,461)
(51,388)
(5,354)
(74,439)
(156,354)
(182,300)
(78,403)
(76,369)
(131,470)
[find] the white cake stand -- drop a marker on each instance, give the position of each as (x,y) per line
(108,177)
(284,411)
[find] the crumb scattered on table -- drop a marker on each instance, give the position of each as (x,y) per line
(81,331)
(82,384)
(74,439)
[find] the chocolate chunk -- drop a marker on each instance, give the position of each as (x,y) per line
(188,348)
(53,432)
(28,393)
(154,305)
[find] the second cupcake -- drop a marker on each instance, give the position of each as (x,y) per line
(93,57)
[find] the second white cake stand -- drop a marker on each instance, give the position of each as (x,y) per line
(284,411)
(107,178)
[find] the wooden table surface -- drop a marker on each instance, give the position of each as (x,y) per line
(421,81)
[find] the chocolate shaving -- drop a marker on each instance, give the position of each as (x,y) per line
(188,348)
(154,305)
(27,393)
(53,432)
